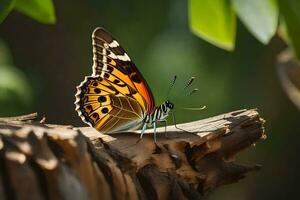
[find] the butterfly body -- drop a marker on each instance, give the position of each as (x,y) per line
(160,113)
(116,97)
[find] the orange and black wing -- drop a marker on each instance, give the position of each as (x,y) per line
(111,59)
(108,105)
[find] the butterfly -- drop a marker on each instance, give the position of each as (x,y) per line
(116,97)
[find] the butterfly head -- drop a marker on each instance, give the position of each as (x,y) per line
(169,105)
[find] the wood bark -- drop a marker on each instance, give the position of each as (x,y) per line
(44,161)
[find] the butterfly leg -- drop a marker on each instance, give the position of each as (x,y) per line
(154,133)
(174,120)
(165,123)
(143,130)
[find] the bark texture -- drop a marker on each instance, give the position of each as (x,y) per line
(44,161)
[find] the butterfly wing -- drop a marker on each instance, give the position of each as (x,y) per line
(108,105)
(110,58)
(116,97)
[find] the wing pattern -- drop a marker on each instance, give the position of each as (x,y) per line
(107,106)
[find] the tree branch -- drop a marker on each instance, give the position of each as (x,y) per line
(39,161)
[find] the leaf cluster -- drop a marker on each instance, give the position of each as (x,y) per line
(216,20)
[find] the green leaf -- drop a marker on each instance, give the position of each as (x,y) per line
(40,10)
(259,16)
(214,21)
(12,79)
(5,7)
(291,14)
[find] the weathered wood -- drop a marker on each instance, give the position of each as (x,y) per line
(42,161)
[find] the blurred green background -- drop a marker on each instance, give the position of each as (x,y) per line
(41,65)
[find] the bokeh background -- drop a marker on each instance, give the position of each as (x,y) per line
(41,65)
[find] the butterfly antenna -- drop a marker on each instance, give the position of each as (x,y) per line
(171,86)
(195,109)
(189,83)
(192,92)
